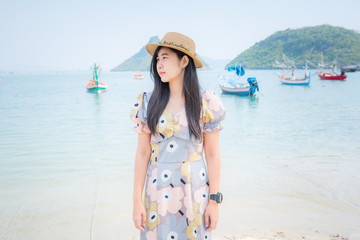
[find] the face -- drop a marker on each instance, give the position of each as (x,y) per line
(169,66)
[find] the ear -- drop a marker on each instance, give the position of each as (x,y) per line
(184,61)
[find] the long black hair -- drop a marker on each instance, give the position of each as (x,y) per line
(161,94)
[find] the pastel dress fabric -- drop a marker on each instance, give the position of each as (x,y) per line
(177,187)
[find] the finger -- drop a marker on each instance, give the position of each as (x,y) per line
(144,219)
(206,220)
(212,226)
(138,225)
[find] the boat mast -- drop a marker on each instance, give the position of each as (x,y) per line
(322,60)
(95,74)
(334,68)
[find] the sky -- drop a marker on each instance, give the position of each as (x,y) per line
(73,34)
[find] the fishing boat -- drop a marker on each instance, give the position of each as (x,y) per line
(327,75)
(331,76)
(235,85)
(94,84)
(138,76)
(293,80)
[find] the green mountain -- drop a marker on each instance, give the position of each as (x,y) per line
(336,43)
(142,59)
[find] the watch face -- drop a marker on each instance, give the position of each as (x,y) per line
(219,198)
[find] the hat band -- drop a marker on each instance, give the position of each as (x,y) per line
(175,45)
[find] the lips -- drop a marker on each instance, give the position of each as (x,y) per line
(161,73)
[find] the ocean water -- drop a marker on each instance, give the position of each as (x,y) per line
(290,156)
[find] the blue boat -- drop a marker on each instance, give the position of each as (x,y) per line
(235,85)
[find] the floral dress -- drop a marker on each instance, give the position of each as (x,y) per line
(177,187)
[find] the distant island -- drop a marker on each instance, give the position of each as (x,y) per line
(336,43)
(142,59)
(139,61)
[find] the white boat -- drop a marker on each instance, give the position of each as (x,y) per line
(292,80)
(235,85)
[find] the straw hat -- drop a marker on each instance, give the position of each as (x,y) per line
(179,42)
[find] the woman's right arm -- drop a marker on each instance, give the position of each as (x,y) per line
(143,153)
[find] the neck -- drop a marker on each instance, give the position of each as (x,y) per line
(176,88)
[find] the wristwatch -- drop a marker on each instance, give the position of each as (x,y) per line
(217,197)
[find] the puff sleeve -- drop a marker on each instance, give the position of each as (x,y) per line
(138,113)
(213,111)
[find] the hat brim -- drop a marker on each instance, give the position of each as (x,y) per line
(151,48)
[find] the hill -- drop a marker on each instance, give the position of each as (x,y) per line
(142,59)
(139,61)
(336,43)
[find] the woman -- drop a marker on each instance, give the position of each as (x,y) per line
(176,122)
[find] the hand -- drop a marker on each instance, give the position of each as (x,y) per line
(139,216)
(211,215)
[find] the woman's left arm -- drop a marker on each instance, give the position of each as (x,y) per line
(212,156)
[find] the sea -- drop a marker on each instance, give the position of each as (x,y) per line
(290,157)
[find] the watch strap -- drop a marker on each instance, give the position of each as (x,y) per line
(213,197)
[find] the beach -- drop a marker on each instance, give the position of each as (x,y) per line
(290,158)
